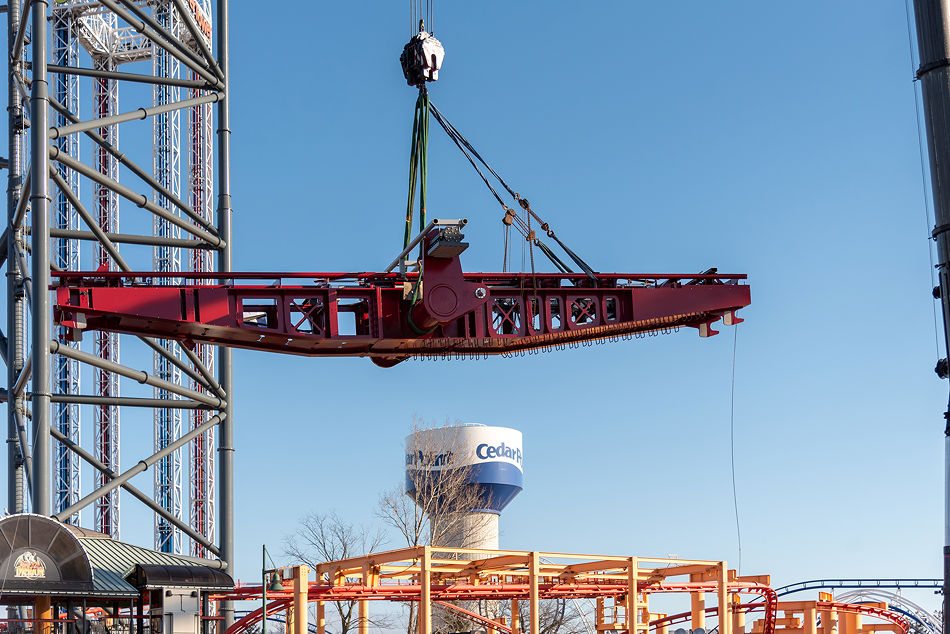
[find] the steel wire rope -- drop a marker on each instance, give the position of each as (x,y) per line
(732,447)
(418,164)
(523,226)
(923,172)
(457,136)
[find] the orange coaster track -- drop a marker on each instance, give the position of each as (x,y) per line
(441,575)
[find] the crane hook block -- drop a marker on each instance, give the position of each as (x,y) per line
(421,59)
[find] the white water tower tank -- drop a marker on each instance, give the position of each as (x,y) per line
(492,459)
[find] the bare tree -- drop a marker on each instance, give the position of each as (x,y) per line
(434,506)
(328,537)
(555,616)
(440,477)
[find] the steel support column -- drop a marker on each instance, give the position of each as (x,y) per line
(225,355)
(15,312)
(933,41)
(40,204)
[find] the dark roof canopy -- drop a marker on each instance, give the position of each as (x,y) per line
(40,556)
(154,576)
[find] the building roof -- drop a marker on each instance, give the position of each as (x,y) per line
(112,561)
(39,556)
(164,576)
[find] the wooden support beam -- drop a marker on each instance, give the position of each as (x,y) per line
(516,617)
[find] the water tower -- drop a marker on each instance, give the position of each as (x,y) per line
(484,462)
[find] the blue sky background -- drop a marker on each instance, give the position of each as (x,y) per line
(773,139)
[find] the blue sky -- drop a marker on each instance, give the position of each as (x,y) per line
(773,139)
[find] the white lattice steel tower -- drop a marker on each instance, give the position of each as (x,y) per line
(106,418)
(108,46)
(166,168)
(91,26)
(57,51)
(200,191)
(65,52)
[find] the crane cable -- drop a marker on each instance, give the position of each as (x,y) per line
(418,163)
(418,170)
(420,11)
(511,216)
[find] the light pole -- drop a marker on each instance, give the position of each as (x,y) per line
(276,585)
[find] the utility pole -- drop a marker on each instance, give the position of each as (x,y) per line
(933,41)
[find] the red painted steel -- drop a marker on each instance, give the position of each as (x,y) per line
(509,590)
(857,608)
(489,591)
(385,317)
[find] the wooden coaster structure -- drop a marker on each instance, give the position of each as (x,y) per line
(621,587)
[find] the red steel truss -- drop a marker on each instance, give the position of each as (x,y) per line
(390,317)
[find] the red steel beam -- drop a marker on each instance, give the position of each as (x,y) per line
(391,317)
